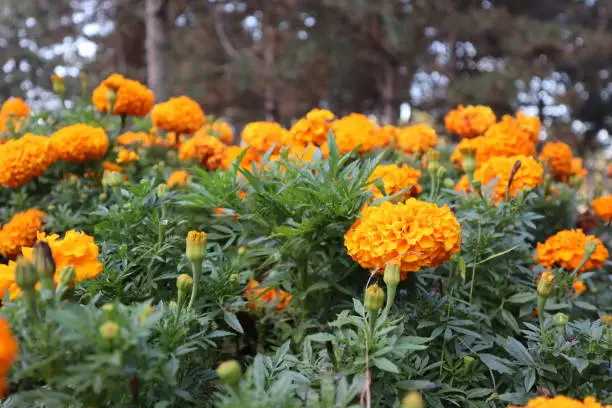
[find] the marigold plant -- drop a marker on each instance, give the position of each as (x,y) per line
(499,171)
(12,113)
(603,207)
(312,128)
(180,115)
(262,136)
(80,143)
(396,178)
(20,231)
(385,135)
(259,298)
(505,139)
(567,249)
(469,121)
(417,138)
(562,402)
(24,159)
(128,97)
(231,154)
(219,129)
(207,150)
(9,349)
(125,156)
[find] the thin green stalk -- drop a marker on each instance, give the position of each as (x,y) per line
(196,267)
(391,291)
(372,315)
(540,307)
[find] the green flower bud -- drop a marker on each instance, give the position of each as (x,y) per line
(25,274)
(392,276)
(103,197)
(109,330)
(108,308)
(374,297)
(145,313)
(413,399)
(449,183)
(233,277)
(560,320)
(43,260)
(184,283)
(112,179)
(229,372)
(196,246)
(441,172)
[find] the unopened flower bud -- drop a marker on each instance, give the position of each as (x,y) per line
(51,207)
(433,161)
(392,274)
(184,283)
(468,363)
(111,96)
(58,85)
(43,260)
(145,313)
(196,246)
(67,275)
(162,190)
(449,183)
(25,274)
(468,155)
(229,372)
(233,277)
(108,308)
(545,284)
(413,399)
(374,297)
(112,179)
(560,320)
(173,306)
(109,330)
(103,196)
(441,172)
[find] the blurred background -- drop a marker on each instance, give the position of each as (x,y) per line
(275,59)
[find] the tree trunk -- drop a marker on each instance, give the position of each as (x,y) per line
(389,94)
(158,47)
(269,51)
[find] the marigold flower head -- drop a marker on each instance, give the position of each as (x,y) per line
(469,121)
(395,179)
(577,168)
(353,131)
(180,115)
(557,156)
(259,298)
(264,135)
(219,129)
(80,143)
(579,286)
(603,207)
(231,154)
(504,139)
(125,156)
(528,176)
(130,97)
(567,249)
(385,135)
(530,125)
(463,185)
(9,349)
(207,150)
(20,231)
(312,128)
(562,402)
(414,234)
(178,177)
(143,139)
(12,113)
(111,167)
(473,143)
(24,159)
(417,138)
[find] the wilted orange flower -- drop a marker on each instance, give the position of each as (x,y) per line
(579,286)
(178,177)
(219,129)
(567,249)
(180,115)
(20,232)
(208,150)
(562,402)
(473,143)
(12,113)
(414,234)
(24,159)
(530,125)
(417,138)
(353,131)
(8,353)
(259,298)
(557,156)
(131,97)
(603,207)
(80,143)
(312,128)
(528,176)
(263,135)
(126,156)
(505,139)
(395,179)
(231,154)
(112,167)
(469,121)
(385,135)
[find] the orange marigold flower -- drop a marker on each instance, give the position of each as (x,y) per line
(463,185)
(126,156)
(353,131)
(577,169)
(469,121)
(312,128)
(530,125)
(579,286)
(24,159)
(558,158)
(178,177)
(567,249)
(414,234)
(219,129)
(140,138)
(208,150)
(180,115)
(20,232)
(259,297)
(12,113)
(504,139)
(131,97)
(417,138)
(9,349)
(385,135)
(561,401)
(110,166)
(264,135)
(80,143)
(528,176)
(301,153)
(473,143)
(603,207)
(395,179)
(231,154)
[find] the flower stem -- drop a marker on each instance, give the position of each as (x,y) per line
(372,314)
(391,290)
(196,267)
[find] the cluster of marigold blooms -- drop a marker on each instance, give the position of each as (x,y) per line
(563,402)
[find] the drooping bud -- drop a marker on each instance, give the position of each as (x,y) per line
(109,330)
(413,399)
(560,320)
(25,274)
(545,284)
(196,246)
(229,372)
(374,297)
(43,261)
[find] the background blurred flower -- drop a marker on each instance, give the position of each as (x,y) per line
(80,143)
(20,231)
(180,115)
(24,159)
(469,121)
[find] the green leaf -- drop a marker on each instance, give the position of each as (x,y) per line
(232,321)
(415,385)
(522,297)
(385,365)
(584,305)
(495,363)
(518,351)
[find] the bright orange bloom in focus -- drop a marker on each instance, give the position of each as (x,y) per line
(20,231)
(395,179)
(126,156)
(417,138)
(207,150)
(505,139)
(178,177)
(469,121)
(131,97)
(80,143)
(12,113)
(529,175)
(353,131)
(24,159)
(180,115)
(262,136)
(567,249)
(603,207)
(259,298)
(312,128)
(562,402)
(9,349)
(557,156)
(231,154)
(415,234)
(579,286)
(219,129)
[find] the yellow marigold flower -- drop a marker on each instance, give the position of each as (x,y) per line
(505,139)
(417,138)
(567,249)
(603,207)
(414,234)
(20,231)
(579,286)
(466,143)
(126,156)
(561,401)
(219,129)
(178,177)
(131,97)
(530,125)
(558,158)
(24,159)
(12,113)
(263,135)
(196,246)
(208,150)
(395,179)
(231,154)
(385,135)
(180,115)
(112,167)
(469,121)
(528,176)
(262,297)
(9,349)
(80,143)
(313,128)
